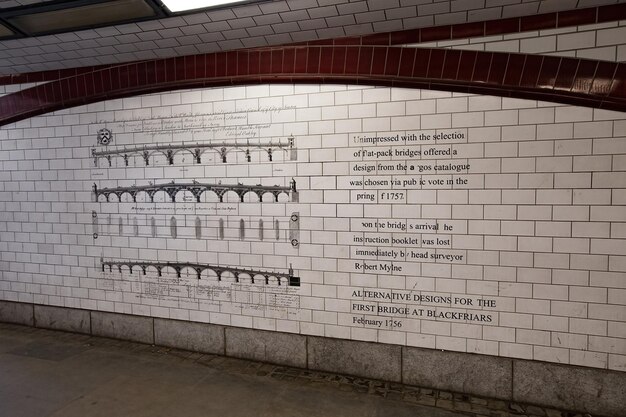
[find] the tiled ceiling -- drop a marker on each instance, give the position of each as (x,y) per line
(256,24)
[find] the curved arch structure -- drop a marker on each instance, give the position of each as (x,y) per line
(574,81)
(196,150)
(281,278)
(197,189)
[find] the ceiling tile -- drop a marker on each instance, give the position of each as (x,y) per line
(221,15)
(480,15)
(197,18)
(130,38)
(67,37)
(382,4)
(326,11)
(170,33)
(248,11)
(252,25)
(189,40)
(268,19)
(350,8)
(331,2)
(331,33)
(193,29)
(279,39)
(304,36)
(294,16)
(313,24)
(150,25)
(274,7)
(359,29)
(254,42)
(235,34)
(520,9)
(341,20)
(107,41)
(244,22)
(217,26)
(129,28)
(286,27)
(107,31)
(173,22)
(149,36)
(369,17)
(88,34)
(166,43)
(211,37)
(301,4)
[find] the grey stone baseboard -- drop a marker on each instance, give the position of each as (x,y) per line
(18,313)
(589,390)
(488,376)
(60,318)
(370,360)
(197,337)
(123,326)
(264,346)
(571,387)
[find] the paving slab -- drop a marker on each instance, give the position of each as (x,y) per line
(48,373)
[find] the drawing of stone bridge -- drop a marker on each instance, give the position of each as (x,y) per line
(195,150)
(253,275)
(197,189)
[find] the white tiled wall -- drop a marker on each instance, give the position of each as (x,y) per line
(515,247)
(605,41)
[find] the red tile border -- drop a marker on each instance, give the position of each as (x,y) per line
(577,17)
(611,13)
(502,26)
(435,33)
(468,30)
(590,83)
(538,22)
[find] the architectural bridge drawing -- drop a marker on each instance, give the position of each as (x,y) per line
(195,150)
(197,189)
(253,275)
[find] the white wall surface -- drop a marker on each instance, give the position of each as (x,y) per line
(524,248)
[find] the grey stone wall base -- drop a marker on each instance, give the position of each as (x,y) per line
(482,375)
(595,391)
(123,326)
(60,318)
(197,337)
(370,360)
(265,346)
(18,313)
(589,390)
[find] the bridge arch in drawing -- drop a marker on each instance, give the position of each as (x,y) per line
(252,275)
(195,150)
(196,189)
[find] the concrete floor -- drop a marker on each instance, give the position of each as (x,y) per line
(48,373)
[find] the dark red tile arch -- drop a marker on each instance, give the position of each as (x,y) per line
(563,80)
